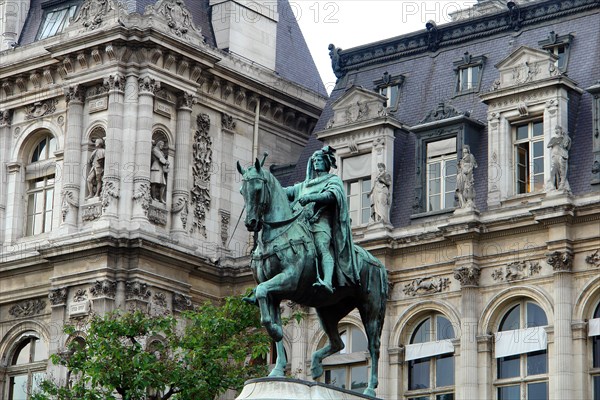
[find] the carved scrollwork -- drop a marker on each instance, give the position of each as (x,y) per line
(594,259)
(426,286)
(58,296)
(176,14)
(201,170)
(115,82)
(181,207)
(137,291)
(27,308)
(80,295)
(160,299)
(142,195)
(69,200)
(468,275)
(105,288)
(148,85)
(93,12)
(40,109)
(225,217)
(561,261)
(75,93)
(182,302)
(110,191)
(227,122)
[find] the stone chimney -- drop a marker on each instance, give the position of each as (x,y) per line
(247,28)
(12,18)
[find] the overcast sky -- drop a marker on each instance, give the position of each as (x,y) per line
(350,23)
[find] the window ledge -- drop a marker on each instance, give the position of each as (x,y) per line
(464,92)
(523,199)
(445,211)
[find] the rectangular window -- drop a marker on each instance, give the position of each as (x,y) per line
(40,205)
(55,21)
(468,78)
(444,370)
(529,157)
(537,363)
(596,387)
(391,92)
(509,367)
(441,174)
(336,377)
(509,393)
(359,205)
(418,377)
(537,391)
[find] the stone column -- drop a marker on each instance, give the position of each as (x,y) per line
(143,150)
(5,120)
(74,96)
(58,316)
(14,202)
(130,136)
(183,153)
(562,264)
(595,92)
(467,382)
(111,182)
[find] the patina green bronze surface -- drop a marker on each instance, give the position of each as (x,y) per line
(305,254)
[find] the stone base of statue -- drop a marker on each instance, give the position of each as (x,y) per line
(295,389)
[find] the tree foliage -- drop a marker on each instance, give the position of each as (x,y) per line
(133,356)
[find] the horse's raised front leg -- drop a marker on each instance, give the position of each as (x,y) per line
(282,283)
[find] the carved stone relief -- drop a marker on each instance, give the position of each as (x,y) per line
(27,308)
(137,291)
(181,207)
(40,109)
(176,14)
(594,259)
(58,296)
(104,288)
(110,192)
(93,12)
(80,295)
(561,261)
(91,212)
(427,285)
(517,270)
(142,194)
(227,122)
(160,299)
(157,216)
(182,302)
(68,201)
(225,216)
(5,118)
(201,170)
(443,111)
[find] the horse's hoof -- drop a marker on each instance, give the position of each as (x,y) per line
(369,392)
(277,373)
(316,372)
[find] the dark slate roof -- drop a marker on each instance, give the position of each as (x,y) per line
(430,79)
(293,59)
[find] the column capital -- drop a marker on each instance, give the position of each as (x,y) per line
(75,94)
(561,261)
(115,82)
(148,85)
(186,101)
(468,275)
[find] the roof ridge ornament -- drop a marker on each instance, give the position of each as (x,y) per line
(176,15)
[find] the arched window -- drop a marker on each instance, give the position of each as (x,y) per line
(430,360)
(347,369)
(520,351)
(594,332)
(26,367)
(40,172)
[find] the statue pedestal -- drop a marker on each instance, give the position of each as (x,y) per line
(295,389)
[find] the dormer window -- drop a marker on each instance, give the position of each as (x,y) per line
(389,87)
(559,46)
(55,20)
(468,74)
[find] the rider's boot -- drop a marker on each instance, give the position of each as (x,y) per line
(327,266)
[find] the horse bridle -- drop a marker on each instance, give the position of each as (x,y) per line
(265,195)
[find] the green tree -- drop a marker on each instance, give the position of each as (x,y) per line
(133,356)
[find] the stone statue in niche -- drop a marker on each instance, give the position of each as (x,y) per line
(465,183)
(560,145)
(158,172)
(96,162)
(380,195)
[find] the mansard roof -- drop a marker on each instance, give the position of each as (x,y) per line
(293,59)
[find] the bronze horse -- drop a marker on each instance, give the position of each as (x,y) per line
(283,263)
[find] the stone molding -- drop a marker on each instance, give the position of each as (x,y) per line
(561,261)
(467,275)
(27,308)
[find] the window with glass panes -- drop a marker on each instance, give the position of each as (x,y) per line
(359,205)
(529,157)
(27,367)
(468,78)
(349,368)
(441,174)
(523,376)
(595,371)
(55,21)
(391,93)
(40,187)
(432,377)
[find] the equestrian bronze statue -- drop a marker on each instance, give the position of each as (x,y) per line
(305,254)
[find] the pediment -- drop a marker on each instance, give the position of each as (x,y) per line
(357,104)
(526,65)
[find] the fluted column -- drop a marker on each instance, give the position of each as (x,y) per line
(128,160)
(74,96)
(183,153)
(5,120)
(562,264)
(468,276)
(111,182)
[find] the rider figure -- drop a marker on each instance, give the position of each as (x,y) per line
(323,196)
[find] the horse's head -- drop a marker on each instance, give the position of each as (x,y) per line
(255,190)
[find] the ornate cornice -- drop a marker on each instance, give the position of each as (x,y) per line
(458,32)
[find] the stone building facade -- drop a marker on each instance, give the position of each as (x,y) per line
(488,126)
(120,125)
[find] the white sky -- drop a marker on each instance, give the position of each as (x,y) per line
(350,23)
